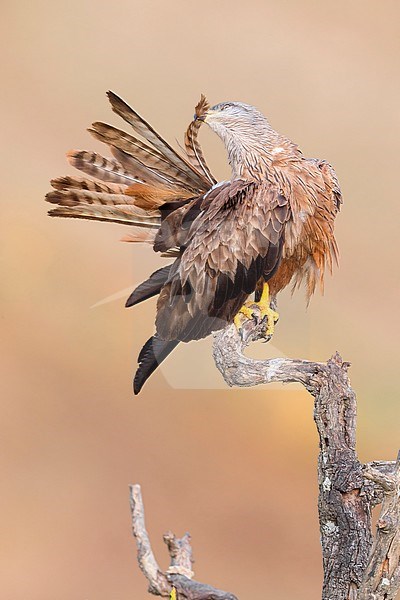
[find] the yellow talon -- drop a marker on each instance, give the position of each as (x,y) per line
(272,318)
(264,309)
(246,311)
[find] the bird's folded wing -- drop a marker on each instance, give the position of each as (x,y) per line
(234,240)
(331,182)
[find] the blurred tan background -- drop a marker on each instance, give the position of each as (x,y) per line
(237,468)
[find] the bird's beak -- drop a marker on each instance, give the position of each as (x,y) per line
(204,117)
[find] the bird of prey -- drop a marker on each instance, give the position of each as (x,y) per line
(270,225)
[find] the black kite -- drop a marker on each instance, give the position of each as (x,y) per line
(270,225)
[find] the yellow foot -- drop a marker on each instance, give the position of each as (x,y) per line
(258,311)
(244,314)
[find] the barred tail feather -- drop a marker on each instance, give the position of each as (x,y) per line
(102,206)
(145,155)
(112,214)
(79,183)
(139,171)
(96,165)
(148,133)
(192,146)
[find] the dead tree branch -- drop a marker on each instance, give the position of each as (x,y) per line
(356,566)
(179,574)
(382,575)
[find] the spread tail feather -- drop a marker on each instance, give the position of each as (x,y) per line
(143,128)
(151,356)
(131,187)
(102,206)
(105,169)
(151,161)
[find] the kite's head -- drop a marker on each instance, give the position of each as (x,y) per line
(235,120)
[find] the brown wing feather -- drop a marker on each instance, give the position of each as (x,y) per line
(310,246)
(235,239)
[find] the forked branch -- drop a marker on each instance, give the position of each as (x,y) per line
(179,574)
(356,567)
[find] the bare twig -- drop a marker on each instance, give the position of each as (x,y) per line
(179,574)
(181,554)
(374,490)
(158,582)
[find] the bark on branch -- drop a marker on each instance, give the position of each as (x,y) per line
(356,566)
(179,574)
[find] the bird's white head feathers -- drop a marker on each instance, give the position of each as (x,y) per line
(235,118)
(245,132)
